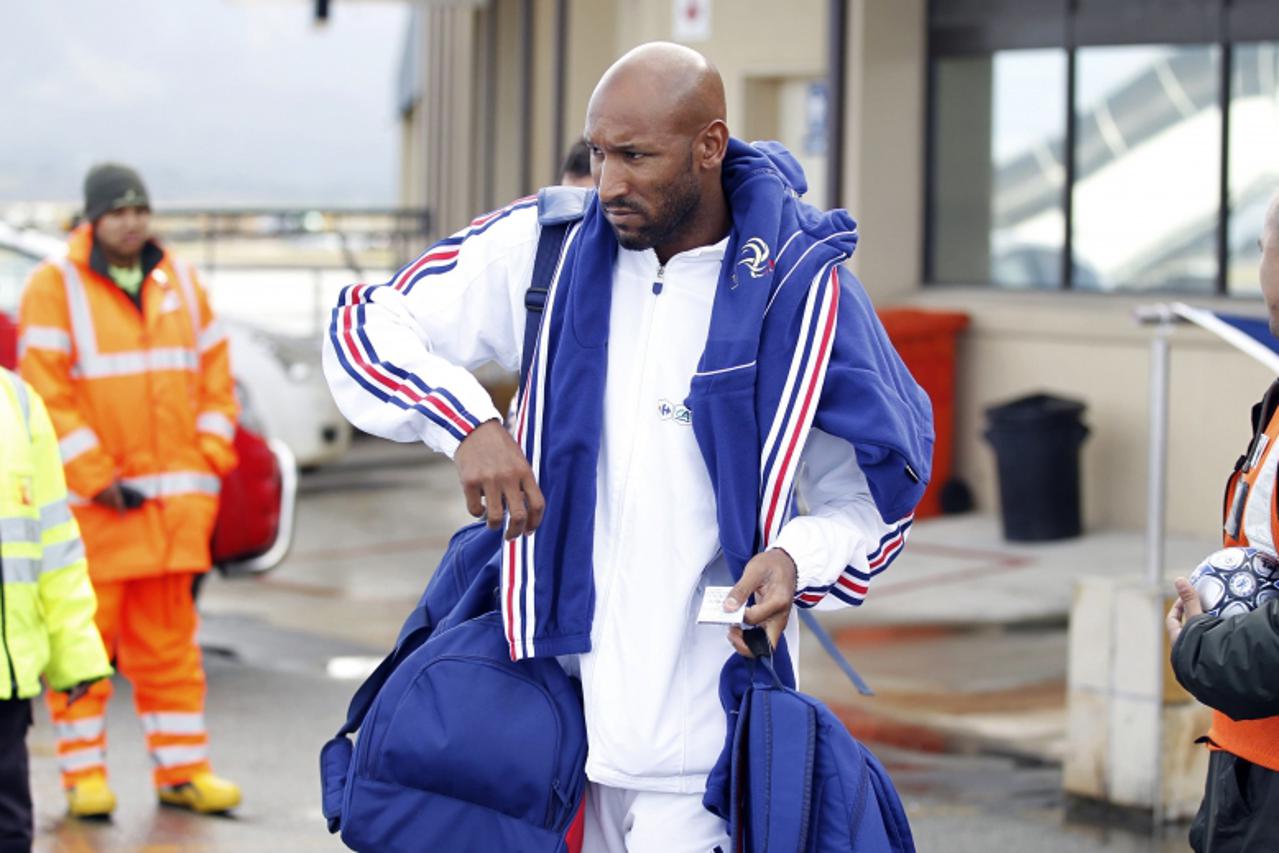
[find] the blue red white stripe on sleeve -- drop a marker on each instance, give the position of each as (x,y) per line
(442,256)
(852,584)
(383,379)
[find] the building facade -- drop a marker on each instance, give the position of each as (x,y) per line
(1045,166)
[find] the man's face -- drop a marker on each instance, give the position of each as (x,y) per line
(647,183)
(123,232)
(1269,274)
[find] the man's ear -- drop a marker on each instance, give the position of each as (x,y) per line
(712,144)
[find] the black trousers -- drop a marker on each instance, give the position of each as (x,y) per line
(15,779)
(1240,808)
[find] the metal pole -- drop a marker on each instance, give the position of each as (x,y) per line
(1155,523)
(836,94)
(1157,459)
(527,23)
(558,107)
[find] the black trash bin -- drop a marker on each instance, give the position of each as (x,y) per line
(1036,441)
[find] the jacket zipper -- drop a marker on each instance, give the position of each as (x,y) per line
(4,632)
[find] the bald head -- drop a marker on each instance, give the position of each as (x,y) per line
(1271,226)
(1269,271)
(668,85)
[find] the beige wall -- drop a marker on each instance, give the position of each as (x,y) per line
(1089,348)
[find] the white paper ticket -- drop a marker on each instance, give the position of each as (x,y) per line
(712,610)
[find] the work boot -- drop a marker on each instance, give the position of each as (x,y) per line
(204,794)
(90,796)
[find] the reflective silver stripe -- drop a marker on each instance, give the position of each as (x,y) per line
(24,402)
(86,729)
(216,423)
(63,554)
(46,337)
(173,723)
(137,361)
(212,335)
(187,284)
(77,442)
(177,756)
(82,759)
(53,514)
(82,333)
(14,530)
(90,364)
(21,569)
(175,483)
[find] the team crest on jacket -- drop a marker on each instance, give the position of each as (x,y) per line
(678,412)
(755,257)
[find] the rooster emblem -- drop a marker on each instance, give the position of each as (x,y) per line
(755,257)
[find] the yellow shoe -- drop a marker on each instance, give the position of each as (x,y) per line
(90,797)
(205,794)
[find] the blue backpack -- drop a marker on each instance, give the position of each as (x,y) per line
(440,762)
(798,780)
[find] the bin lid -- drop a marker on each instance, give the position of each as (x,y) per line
(1034,408)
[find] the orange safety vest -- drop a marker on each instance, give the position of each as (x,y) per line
(1251,519)
(142,396)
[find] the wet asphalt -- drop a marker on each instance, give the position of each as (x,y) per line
(284,654)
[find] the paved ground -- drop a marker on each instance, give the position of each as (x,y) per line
(964,640)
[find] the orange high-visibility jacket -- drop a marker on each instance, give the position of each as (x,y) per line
(145,397)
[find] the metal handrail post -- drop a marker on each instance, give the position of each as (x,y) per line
(1156,518)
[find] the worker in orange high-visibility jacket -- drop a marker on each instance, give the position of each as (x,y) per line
(119,340)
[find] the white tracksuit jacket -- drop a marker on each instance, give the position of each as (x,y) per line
(650,682)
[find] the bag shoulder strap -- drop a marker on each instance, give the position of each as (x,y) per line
(774,810)
(558,208)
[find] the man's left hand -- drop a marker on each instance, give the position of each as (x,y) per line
(1185,608)
(771,578)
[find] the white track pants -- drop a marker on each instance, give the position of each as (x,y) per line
(624,821)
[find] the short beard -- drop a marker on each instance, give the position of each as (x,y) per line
(681,198)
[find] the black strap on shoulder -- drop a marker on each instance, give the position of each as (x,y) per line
(549,247)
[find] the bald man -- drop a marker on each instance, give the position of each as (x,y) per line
(702,354)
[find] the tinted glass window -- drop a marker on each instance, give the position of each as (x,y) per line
(998,127)
(1148,168)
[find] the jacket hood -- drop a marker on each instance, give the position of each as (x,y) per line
(835,229)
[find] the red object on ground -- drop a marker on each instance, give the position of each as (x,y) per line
(249,512)
(926,341)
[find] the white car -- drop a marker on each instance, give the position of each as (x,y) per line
(278,377)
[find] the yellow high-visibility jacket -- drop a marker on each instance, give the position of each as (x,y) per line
(46,600)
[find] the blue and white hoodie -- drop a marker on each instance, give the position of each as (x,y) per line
(672,412)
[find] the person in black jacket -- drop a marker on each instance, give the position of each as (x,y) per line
(1231,665)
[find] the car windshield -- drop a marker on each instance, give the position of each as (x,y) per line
(15,267)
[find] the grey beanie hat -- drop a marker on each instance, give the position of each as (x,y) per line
(111,186)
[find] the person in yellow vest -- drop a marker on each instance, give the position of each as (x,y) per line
(1232,664)
(119,340)
(46,601)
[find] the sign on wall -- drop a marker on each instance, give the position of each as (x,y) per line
(691,20)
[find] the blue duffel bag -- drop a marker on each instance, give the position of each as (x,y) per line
(459,747)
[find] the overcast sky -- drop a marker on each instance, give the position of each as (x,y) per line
(217,102)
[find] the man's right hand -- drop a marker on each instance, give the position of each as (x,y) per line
(496,478)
